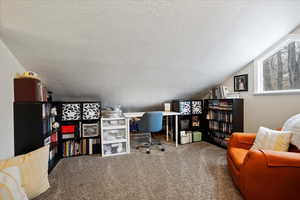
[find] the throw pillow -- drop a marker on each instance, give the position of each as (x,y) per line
(34,170)
(269,139)
(10,184)
(293,125)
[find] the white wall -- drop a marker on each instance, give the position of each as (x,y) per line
(269,110)
(265,110)
(9,67)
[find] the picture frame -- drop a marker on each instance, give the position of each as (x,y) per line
(241,83)
(90,130)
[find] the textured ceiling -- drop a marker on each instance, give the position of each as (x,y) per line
(141,52)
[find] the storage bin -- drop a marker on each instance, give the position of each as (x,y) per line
(115,134)
(197,136)
(185,137)
(113,122)
(114,148)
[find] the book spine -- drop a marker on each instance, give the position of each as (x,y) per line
(91,146)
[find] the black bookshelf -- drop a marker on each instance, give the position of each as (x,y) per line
(223,117)
(76,117)
(33,129)
(192,116)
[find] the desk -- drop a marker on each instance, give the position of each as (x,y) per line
(166,114)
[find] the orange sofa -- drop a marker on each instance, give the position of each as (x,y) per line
(263,174)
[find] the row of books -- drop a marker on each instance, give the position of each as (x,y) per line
(220,116)
(219,105)
(220,126)
(83,147)
(53,152)
(47,125)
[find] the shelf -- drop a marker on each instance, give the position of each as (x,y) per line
(70,121)
(220,109)
(71,139)
(222,121)
(80,138)
(114,154)
(90,137)
(111,119)
(225,132)
(114,127)
(114,141)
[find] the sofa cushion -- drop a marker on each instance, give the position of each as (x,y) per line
(237,156)
(269,139)
(34,170)
(10,184)
(293,125)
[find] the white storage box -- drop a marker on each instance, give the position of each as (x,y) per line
(185,137)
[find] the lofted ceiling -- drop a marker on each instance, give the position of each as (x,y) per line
(140,53)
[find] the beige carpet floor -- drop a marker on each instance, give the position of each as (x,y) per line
(190,172)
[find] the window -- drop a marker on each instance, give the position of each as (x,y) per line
(278,70)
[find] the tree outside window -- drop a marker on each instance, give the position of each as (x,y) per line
(281,71)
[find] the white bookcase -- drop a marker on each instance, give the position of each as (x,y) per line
(115,136)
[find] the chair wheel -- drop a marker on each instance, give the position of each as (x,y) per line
(163,149)
(148,152)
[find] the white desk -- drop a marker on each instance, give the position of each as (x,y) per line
(167,114)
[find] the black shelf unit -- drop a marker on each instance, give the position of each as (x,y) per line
(191,116)
(33,129)
(78,114)
(223,117)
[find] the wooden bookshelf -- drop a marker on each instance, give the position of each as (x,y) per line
(223,117)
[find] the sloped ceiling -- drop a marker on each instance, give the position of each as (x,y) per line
(140,53)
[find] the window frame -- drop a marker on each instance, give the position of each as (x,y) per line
(258,66)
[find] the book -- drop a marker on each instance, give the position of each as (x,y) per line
(90,146)
(68,136)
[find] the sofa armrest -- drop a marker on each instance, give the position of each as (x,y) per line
(281,159)
(270,175)
(242,140)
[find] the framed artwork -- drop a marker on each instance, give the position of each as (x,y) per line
(71,112)
(241,83)
(185,107)
(91,111)
(90,130)
(196,107)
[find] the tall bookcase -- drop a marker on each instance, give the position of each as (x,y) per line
(223,116)
(191,118)
(33,129)
(79,132)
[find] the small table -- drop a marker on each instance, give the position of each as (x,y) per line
(131,115)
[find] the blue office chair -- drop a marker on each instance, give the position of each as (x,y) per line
(149,123)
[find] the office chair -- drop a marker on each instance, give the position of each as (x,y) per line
(149,123)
